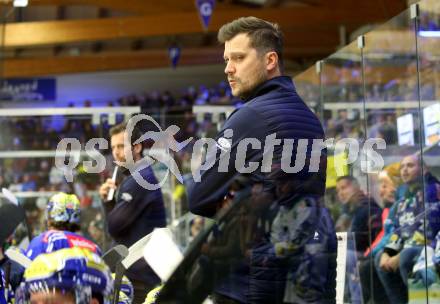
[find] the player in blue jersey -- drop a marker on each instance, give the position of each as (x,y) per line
(63,218)
(69,276)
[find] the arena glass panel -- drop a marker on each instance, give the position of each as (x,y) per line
(308,87)
(428,43)
(183,224)
(30,171)
(393,121)
(341,86)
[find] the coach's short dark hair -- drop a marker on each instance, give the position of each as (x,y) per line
(264,36)
(136,134)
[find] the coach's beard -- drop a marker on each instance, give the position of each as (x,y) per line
(250,86)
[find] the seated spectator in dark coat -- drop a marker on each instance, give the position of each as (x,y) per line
(363,212)
(364,224)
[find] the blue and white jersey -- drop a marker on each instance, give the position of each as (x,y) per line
(436,246)
(54,240)
(6,294)
(409,229)
(3,291)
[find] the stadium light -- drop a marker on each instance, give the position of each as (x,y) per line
(429,33)
(20,3)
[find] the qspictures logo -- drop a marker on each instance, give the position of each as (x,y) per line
(218,153)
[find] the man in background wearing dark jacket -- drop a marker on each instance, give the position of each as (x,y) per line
(275,116)
(364,213)
(134,211)
(363,225)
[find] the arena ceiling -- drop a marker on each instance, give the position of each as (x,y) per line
(73,36)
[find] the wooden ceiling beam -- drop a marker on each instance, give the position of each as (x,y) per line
(135,7)
(32,67)
(31,34)
(132,6)
(388,8)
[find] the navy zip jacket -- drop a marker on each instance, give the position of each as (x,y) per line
(132,214)
(274,110)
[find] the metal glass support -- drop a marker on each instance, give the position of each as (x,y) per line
(319,67)
(415,17)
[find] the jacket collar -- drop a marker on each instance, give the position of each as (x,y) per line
(279,82)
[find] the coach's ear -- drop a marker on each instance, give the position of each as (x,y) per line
(137,149)
(271,61)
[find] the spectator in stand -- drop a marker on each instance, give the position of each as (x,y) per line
(362,217)
(167,99)
(420,200)
(3,182)
(372,289)
(355,214)
(28,184)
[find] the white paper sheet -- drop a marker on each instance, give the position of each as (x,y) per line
(162,253)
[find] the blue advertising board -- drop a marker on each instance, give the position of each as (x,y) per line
(25,89)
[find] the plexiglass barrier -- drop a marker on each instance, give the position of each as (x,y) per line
(383,88)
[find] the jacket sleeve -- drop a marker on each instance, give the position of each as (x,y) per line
(395,242)
(204,196)
(388,230)
(132,201)
(359,227)
(366,225)
(109,205)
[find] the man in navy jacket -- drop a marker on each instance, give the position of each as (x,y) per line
(134,211)
(273,127)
